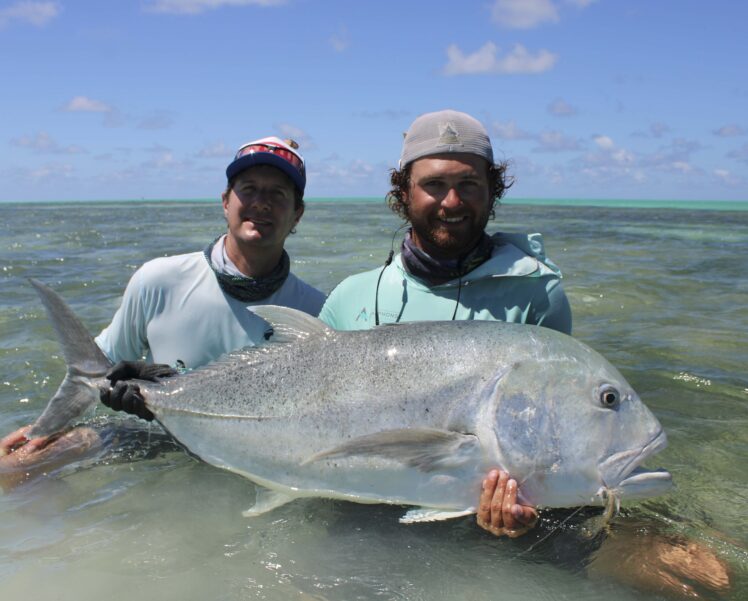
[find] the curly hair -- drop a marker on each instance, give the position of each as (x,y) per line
(498,183)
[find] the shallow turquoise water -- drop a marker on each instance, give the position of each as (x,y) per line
(660,292)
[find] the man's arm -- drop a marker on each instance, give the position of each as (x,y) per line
(553,309)
(125,338)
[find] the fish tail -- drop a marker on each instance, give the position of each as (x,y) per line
(85,364)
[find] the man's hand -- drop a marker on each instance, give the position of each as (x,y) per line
(22,459)
(126,396)
(498,511)
(139,370)
(16,440)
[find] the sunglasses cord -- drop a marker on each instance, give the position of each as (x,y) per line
(381,273)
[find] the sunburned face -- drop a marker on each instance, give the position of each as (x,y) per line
(448,203)
(259,208)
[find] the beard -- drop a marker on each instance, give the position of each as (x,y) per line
(443,241)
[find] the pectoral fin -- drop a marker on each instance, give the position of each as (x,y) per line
(423,449)
(266,500)
(426,514)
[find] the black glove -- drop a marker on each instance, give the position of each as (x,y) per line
(139,370)
(126,396)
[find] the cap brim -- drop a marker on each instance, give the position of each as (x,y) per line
(266,158)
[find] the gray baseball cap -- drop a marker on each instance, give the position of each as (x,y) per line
(445,132)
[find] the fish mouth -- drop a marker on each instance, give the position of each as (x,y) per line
(622,471)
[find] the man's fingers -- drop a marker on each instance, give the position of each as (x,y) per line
(497,502)
(524,515)
(509,501)
(486,495)
(12,441)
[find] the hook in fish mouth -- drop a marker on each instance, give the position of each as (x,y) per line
(622,475)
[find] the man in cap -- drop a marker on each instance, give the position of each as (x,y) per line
(187,310)
(192,308)
(446,187)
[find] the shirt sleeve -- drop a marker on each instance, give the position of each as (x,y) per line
(554,310)
(328,313)
(125,338)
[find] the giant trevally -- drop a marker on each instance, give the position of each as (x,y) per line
(408,414)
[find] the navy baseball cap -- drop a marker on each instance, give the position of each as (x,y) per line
(271,151)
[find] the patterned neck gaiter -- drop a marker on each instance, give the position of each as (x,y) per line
(242,287)
(436,271)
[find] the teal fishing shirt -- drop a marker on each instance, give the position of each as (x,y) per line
(517,284)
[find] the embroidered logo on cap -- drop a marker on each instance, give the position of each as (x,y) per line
(448,134)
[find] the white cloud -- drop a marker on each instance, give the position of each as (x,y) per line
(561,108)
(659,129)
(298,135)
(609,158)
(523,14)
(216,150)
(83,104)
(43,143)
(33,13)
(340,40)
(655,130)
(194,7)
(726,177)
(621,156)
(728,131)
(580,3)
(740,154)
(604,142)
(52,171)
(555,141)
(677,151)
(509,130)
(682,166)
(485,60)
(156,120)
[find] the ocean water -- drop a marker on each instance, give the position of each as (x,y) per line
(661,292)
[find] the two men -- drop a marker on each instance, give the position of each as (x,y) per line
(190,309)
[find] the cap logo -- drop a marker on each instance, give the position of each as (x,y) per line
(448,134)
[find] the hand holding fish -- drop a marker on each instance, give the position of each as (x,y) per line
(22,459)
(498,510)
(126,396)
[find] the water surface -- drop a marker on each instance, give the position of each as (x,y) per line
(661,292)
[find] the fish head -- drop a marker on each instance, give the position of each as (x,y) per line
(571,430)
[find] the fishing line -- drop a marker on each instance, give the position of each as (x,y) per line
(381,273)
(552,531)
(388,262)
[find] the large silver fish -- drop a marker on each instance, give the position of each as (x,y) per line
(411,414)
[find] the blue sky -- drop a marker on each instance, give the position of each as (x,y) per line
(586,98)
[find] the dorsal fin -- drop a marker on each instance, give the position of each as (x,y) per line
(289,324)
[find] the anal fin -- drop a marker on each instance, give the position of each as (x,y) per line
(266,500)
(429,514)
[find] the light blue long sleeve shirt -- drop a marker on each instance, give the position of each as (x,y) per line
(517,284)
(173,309)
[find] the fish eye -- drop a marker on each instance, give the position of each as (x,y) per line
(609,397)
